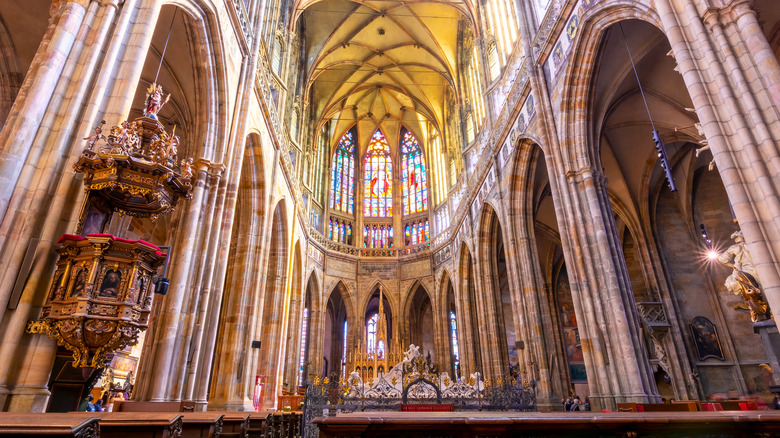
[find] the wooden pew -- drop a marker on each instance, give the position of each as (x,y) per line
(693,405)
(235,424)
(138,406)
(16,424)
(136,424)
(738,405)
(201,424)
(656,407)
(258,422)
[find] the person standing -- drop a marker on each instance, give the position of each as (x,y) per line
(90,405)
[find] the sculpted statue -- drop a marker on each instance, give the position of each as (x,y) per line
(186,168)
(95,137)
(154,101)
(744,278)
(412,353)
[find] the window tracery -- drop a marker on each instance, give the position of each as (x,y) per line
(378,184)
(454,339)
(414,175)
(342,192)
(417,232)
(378,236)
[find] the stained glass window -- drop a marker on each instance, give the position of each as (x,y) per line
(380,349)
(378,236)
(378,184)
(371,332)
(454,336)
(413,175)
(342,175)
(417,232)
(344,352)
(303,345)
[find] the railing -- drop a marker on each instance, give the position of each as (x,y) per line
(413,382)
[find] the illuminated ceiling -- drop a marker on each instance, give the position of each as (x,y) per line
(380,63)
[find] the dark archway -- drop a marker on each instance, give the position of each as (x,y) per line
(336,332)
(420,319)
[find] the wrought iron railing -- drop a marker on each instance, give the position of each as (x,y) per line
(413,382)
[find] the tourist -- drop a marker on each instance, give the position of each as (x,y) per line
(99,406)
(576,405)
(90,406)
(586,405)
(776,402)
(568,404)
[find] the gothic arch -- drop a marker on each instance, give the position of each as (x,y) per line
(241,289)
(296,305)
(419,315)
(386,292)
(271,324)
(578,87)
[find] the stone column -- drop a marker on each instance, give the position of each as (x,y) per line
(69,71)
(539,333)
(166,336)
(615,358)
(726,87)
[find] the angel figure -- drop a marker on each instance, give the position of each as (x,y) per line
(154,101)
(97,136)
(186,168)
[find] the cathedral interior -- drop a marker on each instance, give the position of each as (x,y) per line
(220,202)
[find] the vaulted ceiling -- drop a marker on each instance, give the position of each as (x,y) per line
(380,63)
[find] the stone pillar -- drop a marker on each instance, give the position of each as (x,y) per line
(166,336)
(69,71)
(615,358)
(742,127)
(539,334)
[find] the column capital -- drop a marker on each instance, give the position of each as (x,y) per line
(728,14)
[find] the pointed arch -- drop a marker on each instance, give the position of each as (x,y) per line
(342,173)
(419,315)
(271,323)
(414,175)
(378,179)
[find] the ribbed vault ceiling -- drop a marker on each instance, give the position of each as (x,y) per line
(380,63)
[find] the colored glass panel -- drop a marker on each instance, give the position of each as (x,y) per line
(378,180)
(454,337)
(342,193)
(414,178)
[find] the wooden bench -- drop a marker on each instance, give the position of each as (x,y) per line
(692,405)
(654,407)
(201,424)
(136,424)
(257,424)
(49,425)
(145,406)
(234,424)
